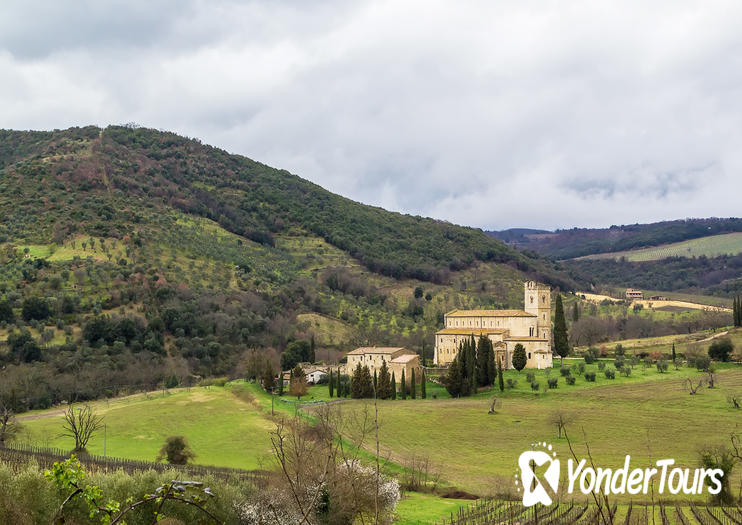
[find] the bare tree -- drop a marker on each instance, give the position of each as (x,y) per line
(560,419)
(80,423)
(735,399)
(691,387)
(9,426)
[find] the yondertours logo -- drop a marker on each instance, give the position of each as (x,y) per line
(542,488)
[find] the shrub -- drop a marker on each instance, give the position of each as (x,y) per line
(702,362)
(530,377)
(510,382)
(626,370)
(619,362)
(564,371)
(535,386)
(570,380)
(601,365)
(590,376)
(176,451)
(578,369)
(610,373)
(662,366)
(721,349)
(553,382)
(619,351)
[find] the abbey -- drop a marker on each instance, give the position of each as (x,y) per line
(530,327)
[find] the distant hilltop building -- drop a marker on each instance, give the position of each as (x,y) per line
(634,294)
(397,359)
(531,327)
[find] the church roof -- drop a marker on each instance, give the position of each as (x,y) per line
(470,331)
(524,338)
(404,358)
(376,350)
(489,313)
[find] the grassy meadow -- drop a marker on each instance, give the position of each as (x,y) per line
(712,246)
(648,415)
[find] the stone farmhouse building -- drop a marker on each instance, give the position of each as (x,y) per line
(531,327)
(397,359)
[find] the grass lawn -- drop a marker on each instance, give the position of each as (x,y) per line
(420,509)
(648,416)
(222,429)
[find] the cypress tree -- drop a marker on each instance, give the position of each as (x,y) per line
(394,386)
(423,395)
(403,391)
(673,352)
(519,357)
(356,389)
(384,386)
(280,383)
(561,342)
(491,369)
(413,386)
(312,357)
(575,313)
(367,383)
(482,358)
(337,384)
(376,380)
(500,379)
(453,377)
(330,383)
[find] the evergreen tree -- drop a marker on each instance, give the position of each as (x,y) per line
(561,342)
(356,389)
(337,385)
(269,381)
(575,313)
(519,357)
(376,380)
(423,395)
(384,385)
(394,386)
(674,356)
(453,377)
(331,384)
(367,383)
(280,383)
(298,384)
(500,379)
(312,357)
(403,391)
(413,386)
(491,368)
(485,362)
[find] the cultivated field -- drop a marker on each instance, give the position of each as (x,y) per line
(712,246)
(647,415)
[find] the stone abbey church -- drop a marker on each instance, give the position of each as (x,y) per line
(530,327)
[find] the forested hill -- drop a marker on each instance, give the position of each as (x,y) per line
(578,242)
(111,172)
(132,258)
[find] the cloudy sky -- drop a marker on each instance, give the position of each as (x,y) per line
(492,114)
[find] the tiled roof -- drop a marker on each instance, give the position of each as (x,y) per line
(470,331)
(489,313)
(405,358)
(524,338)
(375,350)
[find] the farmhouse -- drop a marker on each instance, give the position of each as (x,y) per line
(530,327)
(634,294)
(397,359)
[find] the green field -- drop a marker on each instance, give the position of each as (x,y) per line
(712,246)
(647,415)
(223,429)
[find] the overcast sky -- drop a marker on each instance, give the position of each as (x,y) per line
(491,114)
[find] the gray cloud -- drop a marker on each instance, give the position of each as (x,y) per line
(539,114)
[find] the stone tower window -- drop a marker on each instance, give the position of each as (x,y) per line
(531,299)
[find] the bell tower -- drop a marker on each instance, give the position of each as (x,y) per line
(538,303)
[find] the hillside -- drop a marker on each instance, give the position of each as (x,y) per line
(133,257)
(578,242)
(711,246)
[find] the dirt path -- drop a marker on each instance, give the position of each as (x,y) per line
(709,338)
